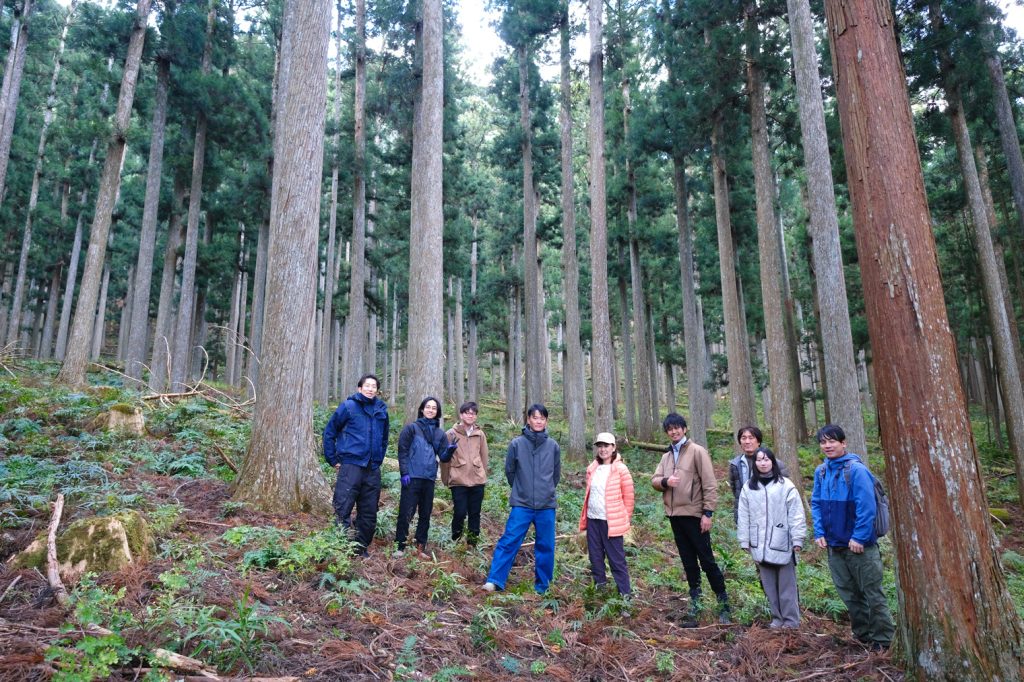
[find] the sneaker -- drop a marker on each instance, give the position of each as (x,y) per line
(723,618)
(489,587)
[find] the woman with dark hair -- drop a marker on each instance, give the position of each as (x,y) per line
(533,468)
(607,510)
(420,445)
(772,528)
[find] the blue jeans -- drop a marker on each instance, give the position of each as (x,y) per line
(519,520)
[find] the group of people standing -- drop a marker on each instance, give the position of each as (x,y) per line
(769,514)
(355,441)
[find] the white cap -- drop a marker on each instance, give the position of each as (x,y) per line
(605,437)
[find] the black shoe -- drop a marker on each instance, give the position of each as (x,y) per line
(880,647)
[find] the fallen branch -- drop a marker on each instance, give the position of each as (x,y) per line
(209,523)
(52,567)
(10,587)
(224,456)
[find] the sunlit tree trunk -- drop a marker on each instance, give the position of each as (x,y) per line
(73,370)
(280,473)
(957,619)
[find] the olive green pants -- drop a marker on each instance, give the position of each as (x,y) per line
(858,579)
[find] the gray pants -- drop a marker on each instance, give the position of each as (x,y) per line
(858,579)
(779,583)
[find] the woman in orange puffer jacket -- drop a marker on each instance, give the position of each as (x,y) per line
(607,510)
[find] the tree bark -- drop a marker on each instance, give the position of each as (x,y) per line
(698,372)
(601,334)
(995,303)
(147,237)
(46,343)
(12,86)
(474,340)
(280,473)
(836,336)
(534,359)
(956,616)
(72,372)
(458,358)
(355,323)
(782,371)
(741,380)
(163,330)
(180,364)
(33,199)
(573,379)
(628,383)
(69,290)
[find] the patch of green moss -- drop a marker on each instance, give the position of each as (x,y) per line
(123,408)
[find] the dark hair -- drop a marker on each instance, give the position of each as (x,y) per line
(831,432)
(753,431)
(368,376)
(753,484)
(424,404)
(469,406)
(673,419)
(536,407)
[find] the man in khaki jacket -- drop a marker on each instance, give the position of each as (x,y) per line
(689,490)
(466,473)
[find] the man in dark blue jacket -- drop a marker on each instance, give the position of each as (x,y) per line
(843,508)
(355,440)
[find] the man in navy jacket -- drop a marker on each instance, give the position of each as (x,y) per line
(355,440)
(843,508)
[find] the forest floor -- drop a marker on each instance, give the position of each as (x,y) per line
(255,595)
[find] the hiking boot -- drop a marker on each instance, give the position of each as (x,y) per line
(724,612)
(421,552)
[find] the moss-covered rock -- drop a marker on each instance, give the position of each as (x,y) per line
(93,545)
(122,418)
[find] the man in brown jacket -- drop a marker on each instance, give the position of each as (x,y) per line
(466,473)
(689,490)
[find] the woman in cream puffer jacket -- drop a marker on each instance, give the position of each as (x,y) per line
(772,526)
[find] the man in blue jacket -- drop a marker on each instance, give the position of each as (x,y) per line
(355,440)
(843,508)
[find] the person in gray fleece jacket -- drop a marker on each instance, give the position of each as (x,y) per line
(533,468)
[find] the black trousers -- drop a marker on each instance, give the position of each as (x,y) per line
(467,500)
(695,547)
(418,498)
(358,487)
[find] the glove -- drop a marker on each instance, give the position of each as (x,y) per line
(449,452)
(406,480)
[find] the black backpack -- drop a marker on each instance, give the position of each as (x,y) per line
(882,522)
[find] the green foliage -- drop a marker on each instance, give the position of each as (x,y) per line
(328,549)
(511,664)
(91,658)
(445,583)
(407,660)
(485,622)
(451,673)
(665,662)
